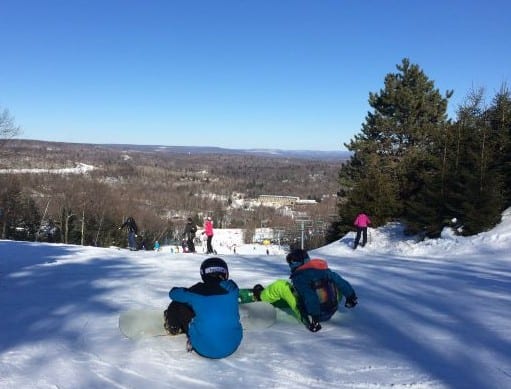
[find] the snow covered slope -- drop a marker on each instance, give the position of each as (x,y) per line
(434,314)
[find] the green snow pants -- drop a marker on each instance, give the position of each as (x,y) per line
(281,291)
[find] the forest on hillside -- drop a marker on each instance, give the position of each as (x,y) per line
(159,189)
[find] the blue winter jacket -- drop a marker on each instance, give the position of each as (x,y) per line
(320,303)
(215,331)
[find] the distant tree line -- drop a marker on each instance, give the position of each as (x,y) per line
(159,190)
(71,210)
(410,163)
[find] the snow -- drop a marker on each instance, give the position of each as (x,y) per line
(80,168)
(433,314)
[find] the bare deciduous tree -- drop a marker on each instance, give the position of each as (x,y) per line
(8,128)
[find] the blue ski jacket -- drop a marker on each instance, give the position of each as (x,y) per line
(215,331)
(313,282)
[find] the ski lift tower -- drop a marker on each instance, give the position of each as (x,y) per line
(302,221)
(280,233)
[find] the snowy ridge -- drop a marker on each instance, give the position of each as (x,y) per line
(391,240)
(433,314)
(80,168)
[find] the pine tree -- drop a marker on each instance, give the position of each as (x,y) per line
(425,203)
(474,192)
(499,116)
(21,217)
(395,147)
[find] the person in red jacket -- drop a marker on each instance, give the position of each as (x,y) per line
(208,230)
(361,223)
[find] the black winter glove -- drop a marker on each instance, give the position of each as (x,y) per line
(257,291)
(314,325)
(351,301)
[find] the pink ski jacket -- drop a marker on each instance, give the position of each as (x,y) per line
(208,227)
(362,220)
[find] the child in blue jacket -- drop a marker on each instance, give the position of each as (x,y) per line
(207,312)
(313,292)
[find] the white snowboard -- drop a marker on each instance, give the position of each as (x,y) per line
(148,322)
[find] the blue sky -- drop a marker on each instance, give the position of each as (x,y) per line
(286,74)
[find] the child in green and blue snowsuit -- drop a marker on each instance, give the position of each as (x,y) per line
(207,312)
(314,292)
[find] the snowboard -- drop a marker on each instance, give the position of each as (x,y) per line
(148,322)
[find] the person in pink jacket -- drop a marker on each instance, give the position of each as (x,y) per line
(208,230)
(361,223)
